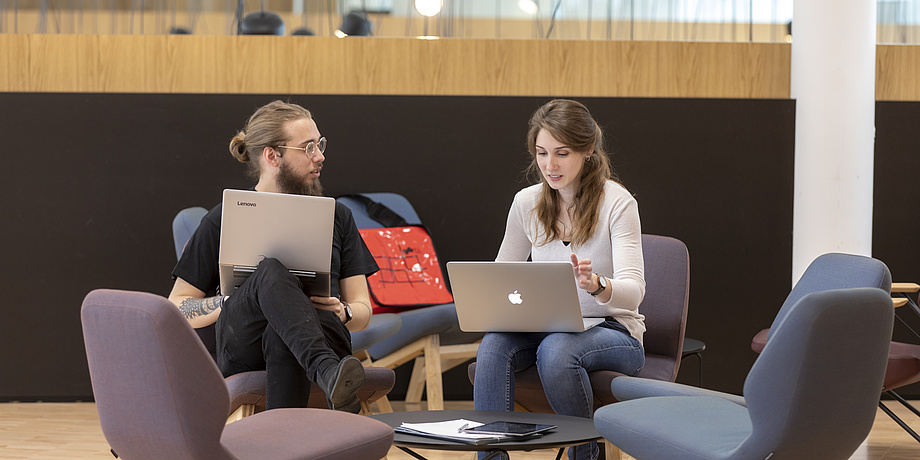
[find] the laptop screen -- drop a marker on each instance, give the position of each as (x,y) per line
(295,229)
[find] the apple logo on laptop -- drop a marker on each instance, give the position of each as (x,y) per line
(515,298)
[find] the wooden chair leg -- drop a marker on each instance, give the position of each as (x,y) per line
(403,355)
(366,408)
(383,405)
(244,410)
(611,451)
(451,357)
(365,358)
(434,387)
(416,381)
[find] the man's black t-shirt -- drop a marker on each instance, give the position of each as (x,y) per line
(199,262)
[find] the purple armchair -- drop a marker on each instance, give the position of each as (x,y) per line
(160,395)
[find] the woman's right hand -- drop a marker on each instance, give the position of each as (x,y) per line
(584,273)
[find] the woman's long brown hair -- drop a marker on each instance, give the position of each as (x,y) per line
(570,123)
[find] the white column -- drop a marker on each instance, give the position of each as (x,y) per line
(833,83)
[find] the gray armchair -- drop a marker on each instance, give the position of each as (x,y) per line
(160,395)
(903,358)
(812,393)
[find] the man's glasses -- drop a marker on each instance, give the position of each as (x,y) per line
(310,149)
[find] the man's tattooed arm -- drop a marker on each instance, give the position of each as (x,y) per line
(193,307)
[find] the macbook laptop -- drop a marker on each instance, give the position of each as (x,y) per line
(517,297)
(295,229)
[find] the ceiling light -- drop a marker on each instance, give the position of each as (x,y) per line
(428,7)
(528,6)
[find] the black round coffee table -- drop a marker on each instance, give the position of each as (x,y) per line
(570,431)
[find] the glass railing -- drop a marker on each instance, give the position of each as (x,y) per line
(670,20)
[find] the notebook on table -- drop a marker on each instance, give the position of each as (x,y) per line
(517,297)
(295,229)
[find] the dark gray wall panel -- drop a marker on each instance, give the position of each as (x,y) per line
(95,180)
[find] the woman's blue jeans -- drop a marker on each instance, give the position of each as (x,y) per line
(563,361)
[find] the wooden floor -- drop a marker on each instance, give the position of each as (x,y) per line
(31,431)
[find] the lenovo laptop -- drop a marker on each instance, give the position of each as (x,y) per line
(295,229)
(517,297)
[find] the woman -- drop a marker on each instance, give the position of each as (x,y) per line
(576,212)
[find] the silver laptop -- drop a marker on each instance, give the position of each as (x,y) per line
(295,229)
(517,297)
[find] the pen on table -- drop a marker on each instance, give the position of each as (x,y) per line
(463,427)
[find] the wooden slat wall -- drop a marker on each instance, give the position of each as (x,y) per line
(403,66)
(897,69)
(398,66)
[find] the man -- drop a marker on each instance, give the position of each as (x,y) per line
(268,322)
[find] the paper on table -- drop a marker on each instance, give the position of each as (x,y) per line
(448,429)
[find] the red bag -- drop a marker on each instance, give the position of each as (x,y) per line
(410,275)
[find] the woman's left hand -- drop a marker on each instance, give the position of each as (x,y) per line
(584,274)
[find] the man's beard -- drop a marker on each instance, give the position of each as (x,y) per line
(291,183)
